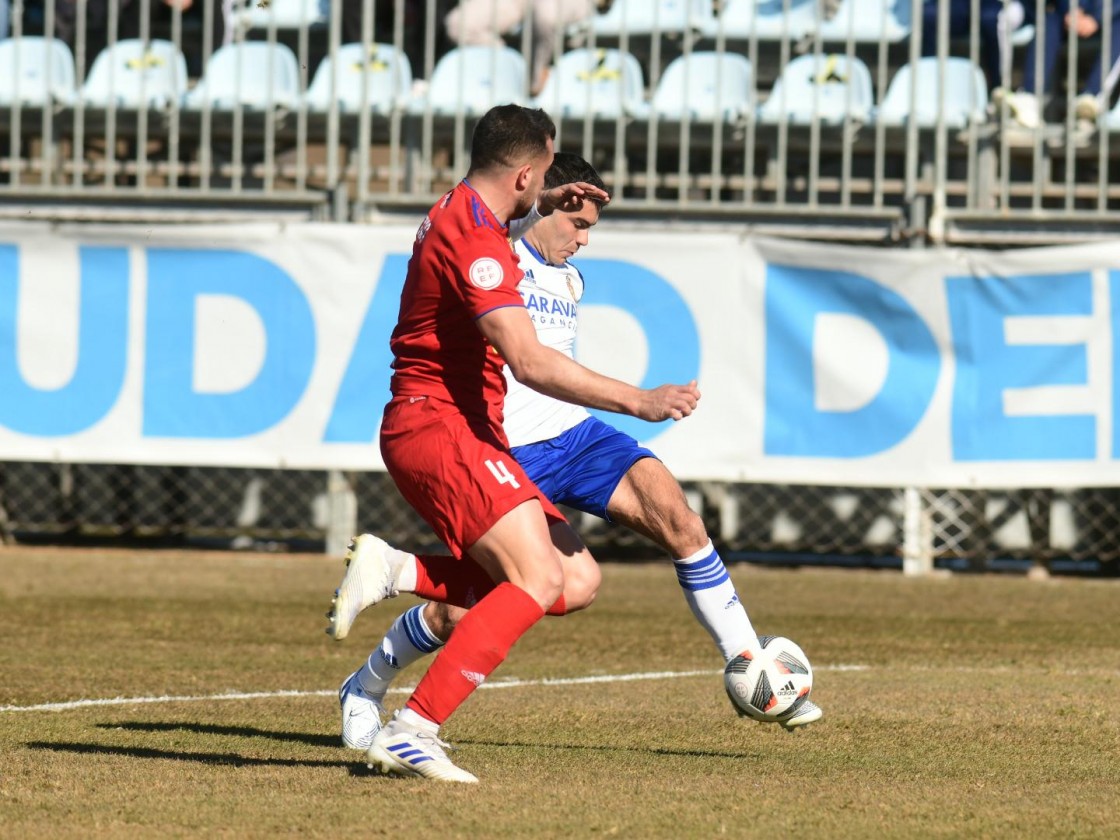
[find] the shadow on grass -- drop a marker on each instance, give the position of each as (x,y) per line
(239,731)
(217,759)
(611,748)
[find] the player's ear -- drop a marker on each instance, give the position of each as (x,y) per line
(524,176)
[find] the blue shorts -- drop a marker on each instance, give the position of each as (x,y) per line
(581,467)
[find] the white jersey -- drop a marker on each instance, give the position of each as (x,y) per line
(551,294)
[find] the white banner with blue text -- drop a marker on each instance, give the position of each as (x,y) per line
(267,346)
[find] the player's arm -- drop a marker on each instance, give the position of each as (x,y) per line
(549,371)
(566,197)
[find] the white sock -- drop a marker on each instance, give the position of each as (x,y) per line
(404,569)
(408,640)
(418,720)
(713,600)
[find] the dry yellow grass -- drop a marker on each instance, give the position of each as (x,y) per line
(986,708)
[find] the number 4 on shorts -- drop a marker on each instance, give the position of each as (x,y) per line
(501,472)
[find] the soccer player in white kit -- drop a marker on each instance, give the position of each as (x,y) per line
(579,461)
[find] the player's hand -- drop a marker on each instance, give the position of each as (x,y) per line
(669,402)
(569,197)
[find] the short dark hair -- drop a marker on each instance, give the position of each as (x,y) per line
(568,167)
(510,135)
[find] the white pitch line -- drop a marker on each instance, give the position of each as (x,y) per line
(259,695)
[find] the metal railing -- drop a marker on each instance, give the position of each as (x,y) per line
(821,128)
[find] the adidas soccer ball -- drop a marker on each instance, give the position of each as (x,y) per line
(771,686)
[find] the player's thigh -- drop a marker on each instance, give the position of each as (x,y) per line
(518,548)
(649,500)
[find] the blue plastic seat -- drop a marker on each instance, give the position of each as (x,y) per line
(707,86)
(645,17)
(825,86)
(255,75)
(36,72)
(384,71)
(471,80)
(965,94)
(867,21)
(766,20)
(131,74)
(598,83)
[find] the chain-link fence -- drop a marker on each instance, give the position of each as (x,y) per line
(294,509)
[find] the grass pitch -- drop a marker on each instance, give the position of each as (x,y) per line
(980,707)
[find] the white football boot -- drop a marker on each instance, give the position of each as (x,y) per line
(410,751)
(370,578)
(808,712)
(361,714)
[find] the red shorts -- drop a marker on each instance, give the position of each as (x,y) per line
(462,479)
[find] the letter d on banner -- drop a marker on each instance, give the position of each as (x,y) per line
(172,405)
(794,424)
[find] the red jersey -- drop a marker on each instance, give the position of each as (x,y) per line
(462,267)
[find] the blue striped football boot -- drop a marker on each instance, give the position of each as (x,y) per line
(409,751)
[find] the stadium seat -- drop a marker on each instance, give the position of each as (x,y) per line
(254,74)
(285,14)
(599,83)
(827,86)
(386,73)
(645,17)
(1112,119)
(767,20)
(707,86)
(965,94)
(473,79)
(133,75)
(35,72)
(867,21)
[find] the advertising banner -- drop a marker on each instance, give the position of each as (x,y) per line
(267,346)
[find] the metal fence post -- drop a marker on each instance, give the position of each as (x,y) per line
(342,516)
(917,535)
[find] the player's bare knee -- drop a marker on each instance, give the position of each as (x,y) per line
(581,585)
(545,586)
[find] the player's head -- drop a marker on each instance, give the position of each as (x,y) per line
(514,144)
(559,236)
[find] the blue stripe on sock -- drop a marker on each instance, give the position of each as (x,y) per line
(418,633)
(706,573)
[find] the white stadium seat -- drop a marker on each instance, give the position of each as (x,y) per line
(599,83)
(35,72)
(133,75)
(707,86)
(965,94)
(384,71)
(254,74)
(645,17)
(828,87)
(473,79)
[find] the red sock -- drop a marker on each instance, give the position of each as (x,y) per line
(459,582)
(478,646)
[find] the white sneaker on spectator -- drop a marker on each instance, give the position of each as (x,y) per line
(361,714)
(1025,109)
(410,751)
(1087,107)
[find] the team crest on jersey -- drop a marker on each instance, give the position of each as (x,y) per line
(486,273)
(425,226)
(571,287)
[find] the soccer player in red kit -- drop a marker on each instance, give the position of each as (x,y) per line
(461,319)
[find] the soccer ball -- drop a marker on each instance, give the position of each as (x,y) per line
(771,686)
